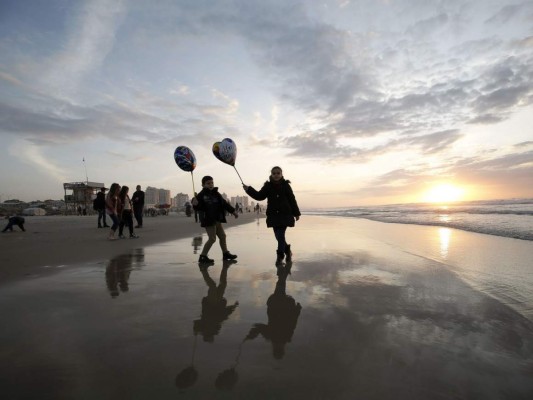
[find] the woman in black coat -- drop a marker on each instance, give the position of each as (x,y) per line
(282,209)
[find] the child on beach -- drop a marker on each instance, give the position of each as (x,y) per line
(212,207)
(15,220)
(111,207)
(125,213)
(282,209)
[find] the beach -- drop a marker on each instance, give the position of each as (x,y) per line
(366,310)
(54,241)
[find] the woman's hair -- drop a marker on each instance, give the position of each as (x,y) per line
(113,189)
(276,167)
(123,191)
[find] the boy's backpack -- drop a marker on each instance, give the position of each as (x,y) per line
(95,204)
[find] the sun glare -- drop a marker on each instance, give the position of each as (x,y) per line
(444,193)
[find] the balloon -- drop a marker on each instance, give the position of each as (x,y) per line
(225,151)
(185,158)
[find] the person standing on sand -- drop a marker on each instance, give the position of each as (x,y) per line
(111,207)
(15,220)
(282,209)
(212,207)
(125,213)
(138,206)
(99,204)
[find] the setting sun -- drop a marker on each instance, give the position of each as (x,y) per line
(444,193)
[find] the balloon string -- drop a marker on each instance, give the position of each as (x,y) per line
(238,174)
(193,189)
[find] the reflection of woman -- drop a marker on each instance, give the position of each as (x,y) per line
(215,309)
(118,272)
(283,313)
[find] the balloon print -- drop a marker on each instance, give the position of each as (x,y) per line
(185,158)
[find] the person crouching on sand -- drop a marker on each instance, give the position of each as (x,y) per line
(282,209)
(15,220)
(111,206)
(212,206)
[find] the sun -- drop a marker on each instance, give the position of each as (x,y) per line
(444,193)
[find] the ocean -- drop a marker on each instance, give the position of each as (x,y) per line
(508,218)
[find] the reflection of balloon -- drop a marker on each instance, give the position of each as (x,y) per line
(185,158)
(186,378)
(227,379)
(225,151)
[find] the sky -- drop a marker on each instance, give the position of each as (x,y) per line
(360,102)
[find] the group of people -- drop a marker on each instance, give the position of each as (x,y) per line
(118,205)
(282,212)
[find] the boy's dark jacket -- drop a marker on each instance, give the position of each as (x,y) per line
(281,206)
(212,207)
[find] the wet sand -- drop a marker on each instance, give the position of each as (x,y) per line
(369,310)
(52,241)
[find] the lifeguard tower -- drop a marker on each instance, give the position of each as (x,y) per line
(80,194)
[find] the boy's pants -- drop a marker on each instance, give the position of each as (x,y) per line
(212,232)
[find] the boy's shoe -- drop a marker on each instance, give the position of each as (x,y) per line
(228,256)
(134,236)
(121,237)
(204,259)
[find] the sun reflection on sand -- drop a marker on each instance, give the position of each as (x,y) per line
(445,235)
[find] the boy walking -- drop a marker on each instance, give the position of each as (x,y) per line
(212,209)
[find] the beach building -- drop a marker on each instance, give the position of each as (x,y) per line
(179,200)
(80,194)
(242,200)
(151,197)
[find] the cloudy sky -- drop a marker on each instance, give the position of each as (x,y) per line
(360,102)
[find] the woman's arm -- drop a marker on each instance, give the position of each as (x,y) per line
(254,194)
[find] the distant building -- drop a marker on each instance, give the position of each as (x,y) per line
(164,196)
(180,200)
(243,200)
(151,196)
(154,196)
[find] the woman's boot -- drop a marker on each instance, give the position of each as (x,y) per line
(279,259)
(288,253)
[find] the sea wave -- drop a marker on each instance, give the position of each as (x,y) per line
(507,218)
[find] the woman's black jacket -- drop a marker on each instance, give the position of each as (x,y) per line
(212,207)
(281,203)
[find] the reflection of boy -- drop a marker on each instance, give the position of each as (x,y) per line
(215,308)
(16,220)
(212,207)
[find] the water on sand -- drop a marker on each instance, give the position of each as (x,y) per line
(369,310)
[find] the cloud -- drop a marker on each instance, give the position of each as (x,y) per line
(31,154)
(90,38)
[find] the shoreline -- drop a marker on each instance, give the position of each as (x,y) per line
(52,241)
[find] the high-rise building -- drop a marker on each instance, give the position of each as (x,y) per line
(164,196)
(180,200)
(151,196)
(242,200)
